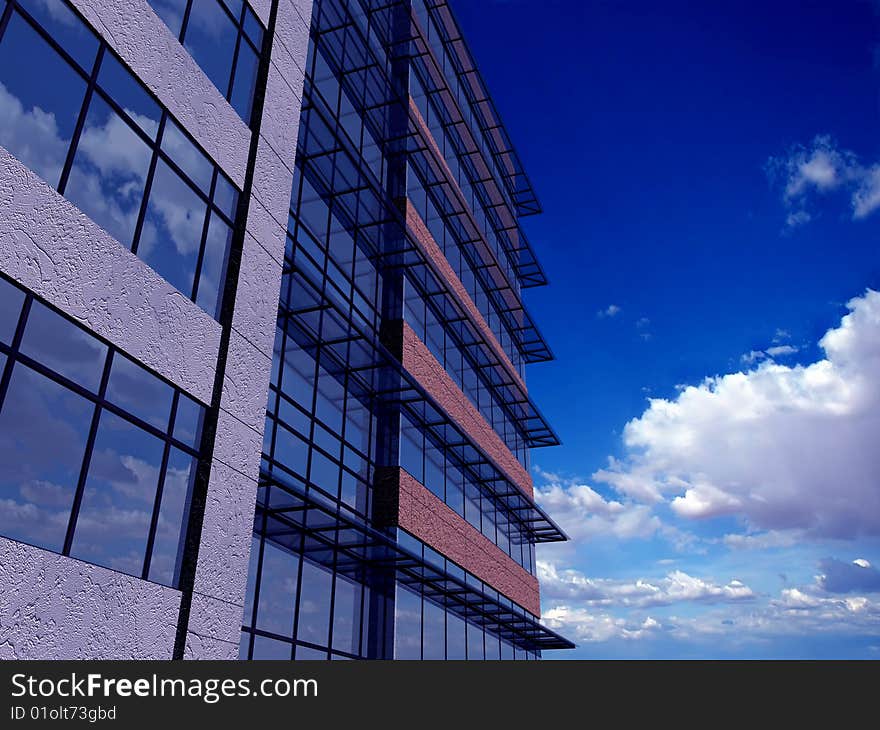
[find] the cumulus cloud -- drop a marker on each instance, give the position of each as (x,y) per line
(787,448)
(675,587)
(612,310)
(820,168)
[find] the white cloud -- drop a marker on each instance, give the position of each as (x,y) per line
(787,448)
(675,587)
(584,625)
(823,167)
(612,310)
(781,350)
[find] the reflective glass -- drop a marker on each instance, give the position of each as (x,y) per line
(139,392)
(277,599)
(346,615)
(117,504)
(66,28)
(188,421)
(40,100)
(210,39)
(56,342)
(43,432)
(266,648)
(173,229)
(128,93)
(213,272)
(11,299)
(407,625)
(171,525)
(109,172)
(314,604)
(245,81)
(187,156)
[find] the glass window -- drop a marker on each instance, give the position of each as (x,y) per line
(455,636)
(43,432)
(245,81)
(11,299)
(407,625)
(250,588)
(346,615)
(474,642)
(314,604)
(212,275)
(210,40)
(40,100)
(277,598)
(66,28)
(188,421)
(128,93)
(305,653)
(173,228)
(171,525)
(187,156)
(109,172)
(434,631)
(117,504)
(266,648)
(59,344)
(140,392)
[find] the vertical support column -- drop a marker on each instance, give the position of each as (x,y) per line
(221,523)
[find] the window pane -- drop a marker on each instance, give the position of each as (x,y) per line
(187,156)
(253,28)
(40,100)
(251,586)
(120,491)
(173,228)
(474,642)
(407,625)
(277,597)
(314,604)
(213,273)
(139,392)
(455,637)
(225,196)
(210,39)
(266,648)
(171,526)
(346,615)
(245,81)
(128,93)
(109,172)
(43,433)
(188,421)
(304,653)
(434,632)
(59,344)
(11,299)
(171,12)
(66,28)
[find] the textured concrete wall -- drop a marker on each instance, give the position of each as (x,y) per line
(55,250)
(425,241)
(427,517)
(423,366)
(221,573)
(52,607)
(144,42)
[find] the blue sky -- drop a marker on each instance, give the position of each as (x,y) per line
(710,176)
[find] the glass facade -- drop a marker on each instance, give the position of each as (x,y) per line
(393,516)
(72,112)
(97,454)
(342,411)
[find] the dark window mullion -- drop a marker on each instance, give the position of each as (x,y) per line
(87,456)
(160,486)
(16,343)
(204,238)
(148,186)
(81,121)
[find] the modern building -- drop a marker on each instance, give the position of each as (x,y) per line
(262,337)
